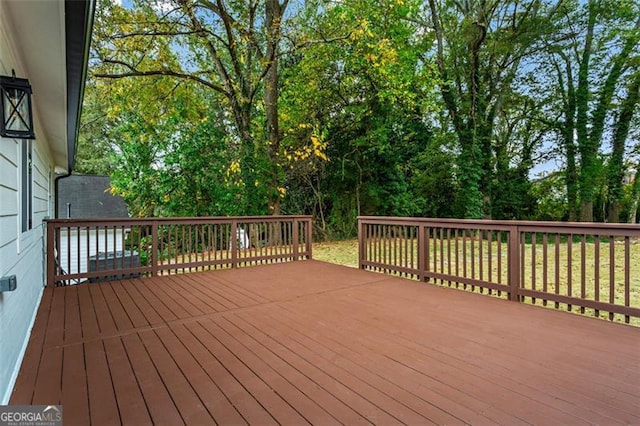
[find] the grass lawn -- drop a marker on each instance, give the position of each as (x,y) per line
(343,252)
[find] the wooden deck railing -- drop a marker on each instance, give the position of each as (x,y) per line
(103,249)
(589,268)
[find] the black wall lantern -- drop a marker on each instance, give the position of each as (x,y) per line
(15,99)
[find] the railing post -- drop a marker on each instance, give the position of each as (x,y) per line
(154,248)
(295,237)
(51,261)
(362,237)
(309,236)
(422,263)
(514,263)
(234,243)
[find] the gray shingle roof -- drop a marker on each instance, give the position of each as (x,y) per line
(89,197)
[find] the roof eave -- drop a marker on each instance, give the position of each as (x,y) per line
(78,27)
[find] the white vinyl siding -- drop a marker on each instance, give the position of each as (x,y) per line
(21,253)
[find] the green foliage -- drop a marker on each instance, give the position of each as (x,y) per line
(339,109)
(550,193)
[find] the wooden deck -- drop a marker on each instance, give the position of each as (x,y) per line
(310,342)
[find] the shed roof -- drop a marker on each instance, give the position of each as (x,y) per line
(88,196)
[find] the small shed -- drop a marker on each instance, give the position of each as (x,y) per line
(88,197)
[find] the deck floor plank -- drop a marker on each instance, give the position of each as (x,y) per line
(144,304)
(187,401)
(159,403)
(335,407)
(74,386)
(513,356)
(342,343)
(172,301)
(359,381)
(106,323)
(118,311)
(460,359)
(206,301)
(135,314)
(582,357)
(232,291)
(88,318)
(310,342)
(339,389)
(194,302)
(103,407)
(55,327)
(47,389)
(299,401)
(206,388)
(278,408)
(72,323)
(248,407)
(401,386)
(131,405)
(23,390)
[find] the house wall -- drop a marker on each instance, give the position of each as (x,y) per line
(21,253)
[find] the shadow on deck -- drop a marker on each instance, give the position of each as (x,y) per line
(313,342)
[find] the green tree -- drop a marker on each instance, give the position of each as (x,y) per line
(480,48)
(231,49)
(592,57)
(364,91)
(616,168)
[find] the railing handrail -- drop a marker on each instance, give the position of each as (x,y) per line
(184,219)
(505,223)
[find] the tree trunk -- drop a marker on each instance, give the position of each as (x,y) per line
(571,174)
(588,152)
(470,166)
(273,17)
(571,180)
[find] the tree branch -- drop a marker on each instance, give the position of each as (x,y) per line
(158,33)
(166,72)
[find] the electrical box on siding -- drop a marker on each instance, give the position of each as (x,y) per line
(8,283)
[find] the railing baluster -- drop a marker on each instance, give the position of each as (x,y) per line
(473,257)
(583,270)
(627,276)
(154,248)
(441,271)
(464,256)
(557,268)
(545,264)
(457,256)
(569,268)
(612,272)
(514,263)
(534,237)
(480,256)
